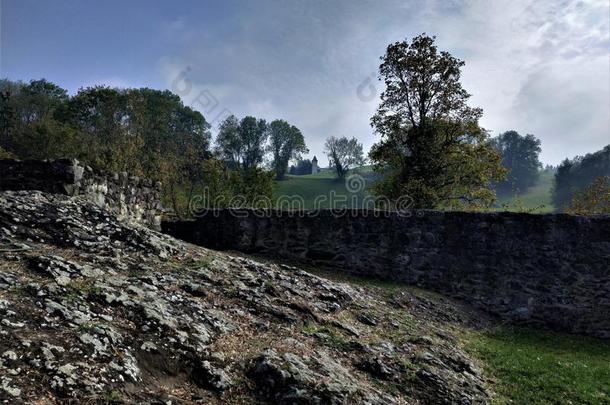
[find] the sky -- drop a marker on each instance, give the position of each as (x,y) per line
(536,66)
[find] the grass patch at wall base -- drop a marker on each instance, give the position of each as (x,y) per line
(528,366)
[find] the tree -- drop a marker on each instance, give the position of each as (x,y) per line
(27,117)
(228,142)
(100,114)
(285,142)
(242,144)
(344,154)
(520,157)
(432,148)
(145,132)
(573,175)
(592,200)
(253,133)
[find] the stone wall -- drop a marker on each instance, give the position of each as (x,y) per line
(542,270)
(128,197)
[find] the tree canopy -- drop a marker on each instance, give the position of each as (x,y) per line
(573,175)
(432,148)
(142,131)
(344,154)
(286,142)
(242,142)
(520,157)
(593,199)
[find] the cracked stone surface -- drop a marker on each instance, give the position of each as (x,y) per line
(92,309)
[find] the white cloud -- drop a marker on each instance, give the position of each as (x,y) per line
(540,67)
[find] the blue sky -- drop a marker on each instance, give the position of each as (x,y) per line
(540,67)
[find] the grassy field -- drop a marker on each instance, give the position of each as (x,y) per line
(326,188)
(540,367)
(536,199)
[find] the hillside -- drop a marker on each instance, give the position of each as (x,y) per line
(536,199)
(96,310)
(324,186)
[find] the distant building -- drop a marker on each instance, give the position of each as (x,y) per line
(314,166)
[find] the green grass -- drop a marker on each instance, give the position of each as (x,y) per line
(536,199)
(326,187)
(541,367)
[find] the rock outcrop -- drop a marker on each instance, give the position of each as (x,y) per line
(97,310)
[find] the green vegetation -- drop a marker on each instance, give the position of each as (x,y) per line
(145,132)
(326,183)
(344,154)
(432,148)
(539,367)
(520,157)
(593,200)
(574,175)
(285,142)
(536,199)
(329,336)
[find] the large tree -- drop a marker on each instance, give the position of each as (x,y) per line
(285,142)
(344,154)
(520,156)
(228,142)
(253,133)
(432,147)
(28,126)
(242,145)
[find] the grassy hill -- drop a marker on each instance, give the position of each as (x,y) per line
(536,199)
(325,186)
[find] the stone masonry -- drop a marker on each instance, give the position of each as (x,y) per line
(550,270)
(127,197)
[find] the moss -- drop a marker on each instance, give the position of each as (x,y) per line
(329,337)
(112,397)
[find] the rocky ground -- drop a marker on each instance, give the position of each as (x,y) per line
(94,310)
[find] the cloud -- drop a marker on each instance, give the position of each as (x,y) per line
(540,67)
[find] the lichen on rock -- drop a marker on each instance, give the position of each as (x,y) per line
(90,306)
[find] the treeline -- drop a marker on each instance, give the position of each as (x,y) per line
(422,153)
(148,133)
(575,177)
(580,185)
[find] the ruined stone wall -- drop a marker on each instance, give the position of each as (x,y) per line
(542,270)
(128,197)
